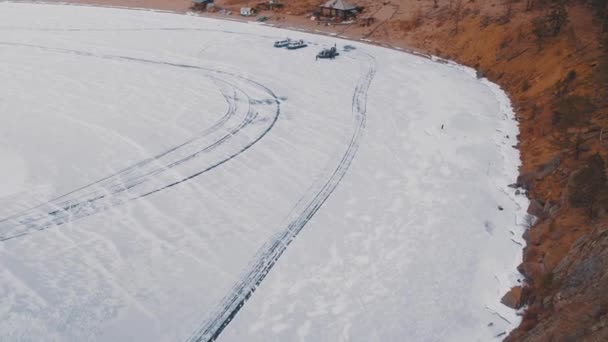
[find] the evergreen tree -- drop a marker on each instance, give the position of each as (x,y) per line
(558,16)
(588,187)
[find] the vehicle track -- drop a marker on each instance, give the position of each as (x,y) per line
(306,208)
(135,29)
(152,174)
(110,181)
(269,254)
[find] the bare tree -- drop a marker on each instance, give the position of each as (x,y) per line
(589,187)
(605,18)
(578,142)
(508,9)
(529,5)
(539,29)
(457,11)
(558,16)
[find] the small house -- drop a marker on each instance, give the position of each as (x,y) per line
(247,11)
(338,8)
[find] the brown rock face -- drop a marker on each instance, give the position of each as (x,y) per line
(536,208)
(575,299)
(531,269)
(525,180)
(547,168)
(513,298)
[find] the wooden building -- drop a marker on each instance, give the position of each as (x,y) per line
(338,8)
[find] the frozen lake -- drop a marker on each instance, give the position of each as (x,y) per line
(156,166)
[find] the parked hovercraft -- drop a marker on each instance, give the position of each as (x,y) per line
(297,45)
(328,53)
(282,43)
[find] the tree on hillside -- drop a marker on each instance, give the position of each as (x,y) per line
(529,5)
(562,87)
(588,186)
(539,30)
(550,24)
(605,17)
(508,5)
(570,115)
(558,16)
(605,20)
(457,11)
(572,111)
(601,73)
(600,7)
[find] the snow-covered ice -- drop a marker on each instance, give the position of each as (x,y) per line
(155,165)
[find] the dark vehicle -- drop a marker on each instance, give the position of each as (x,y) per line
(297,45)
(328,53)
(282,43)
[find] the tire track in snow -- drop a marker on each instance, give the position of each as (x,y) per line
(306,208)
(135,29)
(137,181)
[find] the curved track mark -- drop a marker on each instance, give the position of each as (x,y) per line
(151,175)
(270,253)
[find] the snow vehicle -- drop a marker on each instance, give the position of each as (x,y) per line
(282,43)
(328,53)
(296,45)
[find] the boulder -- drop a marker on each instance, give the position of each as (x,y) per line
(550,209)
(547,168)
(531,270)
(525,180)
(513,298)
(536,208)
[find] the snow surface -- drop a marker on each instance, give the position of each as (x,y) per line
(150,160)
